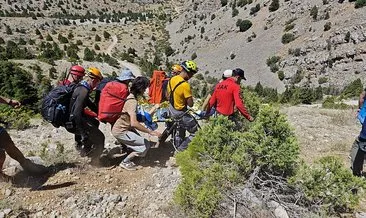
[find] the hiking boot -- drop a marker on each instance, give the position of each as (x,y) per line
(33,168)
(85,151)
(128,165)
(4,177)
(78,146)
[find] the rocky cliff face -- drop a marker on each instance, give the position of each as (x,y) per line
(322,46)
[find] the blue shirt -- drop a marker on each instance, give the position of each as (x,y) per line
(363,131)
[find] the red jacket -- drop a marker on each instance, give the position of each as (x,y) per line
(226,96)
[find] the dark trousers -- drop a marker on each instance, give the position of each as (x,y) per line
(96,137)
(187,122)
(357,156)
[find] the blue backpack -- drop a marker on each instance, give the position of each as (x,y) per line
(145,117)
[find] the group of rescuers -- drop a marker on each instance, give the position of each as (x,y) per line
(225,100)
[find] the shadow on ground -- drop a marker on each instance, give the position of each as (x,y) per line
(154,157)
(157,156)
(36,183)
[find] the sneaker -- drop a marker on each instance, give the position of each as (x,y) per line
(128,165)
(34,168)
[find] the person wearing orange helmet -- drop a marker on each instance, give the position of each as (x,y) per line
(7,146)
(75,75)
(92,138)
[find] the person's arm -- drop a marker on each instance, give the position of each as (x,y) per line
(131,110)
(189,101)
(91,105)
(240,105)
(8,101)
(78,110)
(187,93)
(205,102)
(153,109)
(211,103)
(361,99)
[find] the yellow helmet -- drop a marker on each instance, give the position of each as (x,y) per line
(93,72)
(176,68)
(189,66)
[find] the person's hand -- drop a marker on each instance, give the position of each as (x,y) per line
(14,103)
(84,139)
(155,133)
(251,119)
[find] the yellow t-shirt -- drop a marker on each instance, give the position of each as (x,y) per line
(181,93)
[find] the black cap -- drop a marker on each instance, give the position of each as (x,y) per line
(239,72)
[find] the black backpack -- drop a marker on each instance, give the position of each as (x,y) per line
(55,105)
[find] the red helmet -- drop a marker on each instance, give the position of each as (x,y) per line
(77,70)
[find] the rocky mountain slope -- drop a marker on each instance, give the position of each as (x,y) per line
(208,30)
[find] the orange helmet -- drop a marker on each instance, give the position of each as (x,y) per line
(176,68)
(94,73)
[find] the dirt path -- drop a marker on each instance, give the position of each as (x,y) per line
(135,69)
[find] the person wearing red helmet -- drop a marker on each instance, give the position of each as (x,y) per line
(75,75)
(226,96)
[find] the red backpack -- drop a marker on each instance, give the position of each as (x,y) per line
(112,99)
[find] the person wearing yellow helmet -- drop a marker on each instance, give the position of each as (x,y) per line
(180,98)
(82,123)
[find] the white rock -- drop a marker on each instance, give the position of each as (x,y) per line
(7,211)
(280,212)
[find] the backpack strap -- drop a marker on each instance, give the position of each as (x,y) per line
(171,96)
(123,99)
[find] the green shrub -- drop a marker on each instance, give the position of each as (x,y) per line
(49,37)
(314,12)
(272,60)
(322,80)
(223,3)
(241,3)
(97,38)
(360,3)
(106,35)
(243,25)
(255,9)
(353,89)
(329,184)
(289,27)
(275,4)
(327,26)
(17,118)
(299,75)
(327,16)
(234,12)
(287,38)
(347,36)
(330,103)
(221,156)
(281,75)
